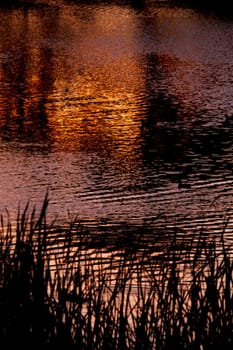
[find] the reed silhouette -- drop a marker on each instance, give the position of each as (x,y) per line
(57,289)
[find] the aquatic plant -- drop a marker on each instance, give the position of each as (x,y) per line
(57,288)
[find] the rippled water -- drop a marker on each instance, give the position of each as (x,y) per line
(124,113)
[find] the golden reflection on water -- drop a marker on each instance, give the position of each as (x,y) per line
(25,76)
(95,106)
(102,103)
(81,78)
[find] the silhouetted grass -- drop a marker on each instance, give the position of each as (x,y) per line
(55,290)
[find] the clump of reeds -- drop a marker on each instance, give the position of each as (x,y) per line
(25,316)
(56,291)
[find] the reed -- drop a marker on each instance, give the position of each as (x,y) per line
(57,289)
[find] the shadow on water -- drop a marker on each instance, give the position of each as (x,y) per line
(176,143)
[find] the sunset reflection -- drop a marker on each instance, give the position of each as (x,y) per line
(83,94)
(98,106)
(26,78)
(95,104)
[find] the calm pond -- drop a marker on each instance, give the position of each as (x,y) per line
(125,114)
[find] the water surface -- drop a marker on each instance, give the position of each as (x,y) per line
(124,114)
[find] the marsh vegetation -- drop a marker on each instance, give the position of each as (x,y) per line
(58,287)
